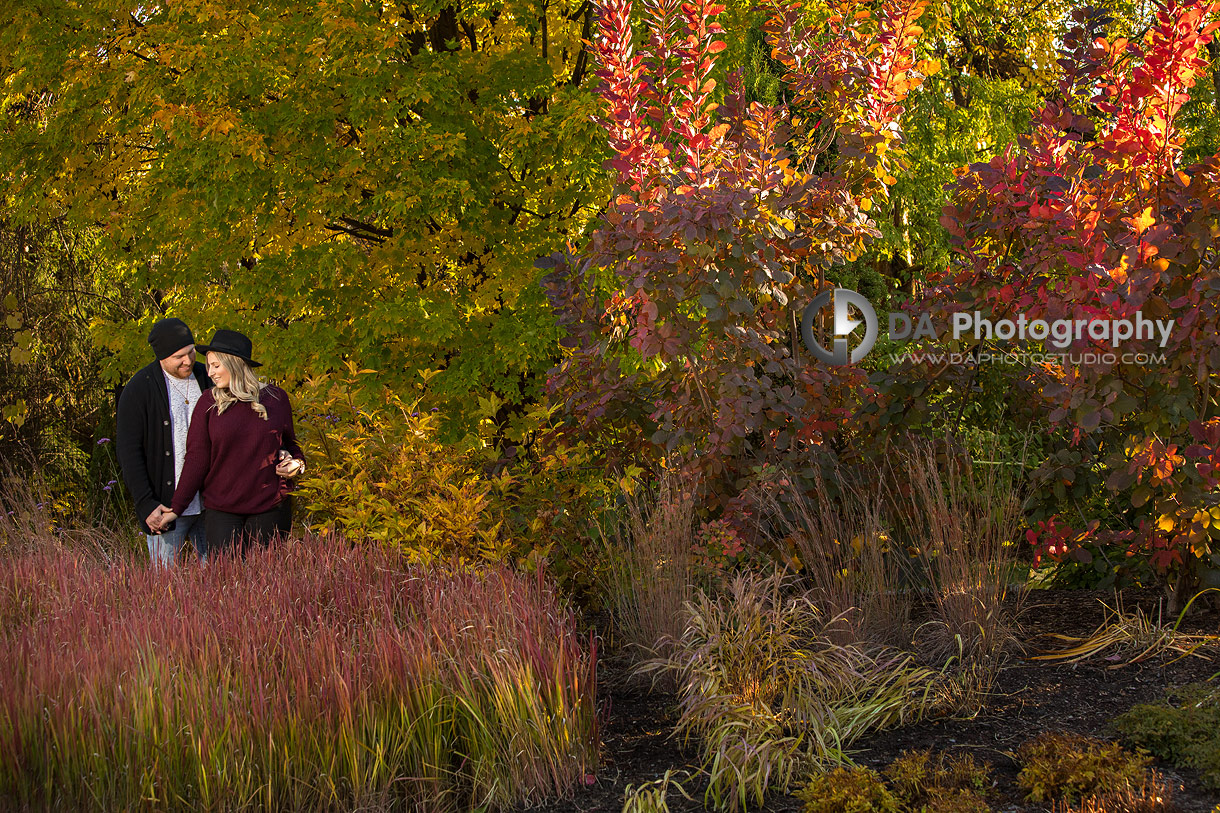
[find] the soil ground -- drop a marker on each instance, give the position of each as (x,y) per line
(1029,697)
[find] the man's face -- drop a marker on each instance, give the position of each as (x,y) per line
(179,364)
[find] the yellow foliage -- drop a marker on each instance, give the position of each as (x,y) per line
(379,474)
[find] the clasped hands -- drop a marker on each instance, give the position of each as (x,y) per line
(160,518)
(287,467)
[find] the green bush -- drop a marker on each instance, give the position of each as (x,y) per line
(955,801)
(847,790)
(1067,767)
(1186,734)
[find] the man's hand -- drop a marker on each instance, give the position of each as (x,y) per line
(166,517)
(154,520)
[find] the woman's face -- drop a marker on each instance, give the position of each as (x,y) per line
(217,372)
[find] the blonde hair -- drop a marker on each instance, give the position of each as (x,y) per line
(244,385)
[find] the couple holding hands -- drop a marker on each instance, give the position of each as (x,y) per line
(207,453)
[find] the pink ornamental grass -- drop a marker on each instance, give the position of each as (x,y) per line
(312,676)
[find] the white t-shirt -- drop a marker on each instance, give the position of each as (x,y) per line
(183,395)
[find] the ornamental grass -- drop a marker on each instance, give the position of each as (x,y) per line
(311,676)
(767,693)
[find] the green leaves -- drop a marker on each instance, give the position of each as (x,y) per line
(336,180)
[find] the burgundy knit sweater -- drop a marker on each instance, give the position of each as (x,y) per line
(232,457)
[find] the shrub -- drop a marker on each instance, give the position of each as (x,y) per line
(1151,796)
(955,801)
(552,495)
(378,472)
(1185,734)
(847,790)
(312,676)
(678,313)
(941,783)
(1125,431)
(1071,766)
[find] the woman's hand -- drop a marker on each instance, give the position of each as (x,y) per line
(167,516)
(289,466)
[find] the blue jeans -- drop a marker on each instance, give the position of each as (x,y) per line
(163,548)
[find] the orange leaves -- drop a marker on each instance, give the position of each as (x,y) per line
(1141,222)
(1152,458)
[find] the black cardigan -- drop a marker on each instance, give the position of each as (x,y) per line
(143,440)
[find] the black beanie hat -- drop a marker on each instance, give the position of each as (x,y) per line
(169,336)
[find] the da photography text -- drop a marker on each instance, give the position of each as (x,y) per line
(1058,333)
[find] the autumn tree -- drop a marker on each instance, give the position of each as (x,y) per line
(367,181)
(998,62)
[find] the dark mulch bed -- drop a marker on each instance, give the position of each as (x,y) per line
(1029,697)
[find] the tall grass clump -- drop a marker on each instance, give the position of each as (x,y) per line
(961,521)
(835,539)
(651,572)
(32,518)
(767,692)
(313,675)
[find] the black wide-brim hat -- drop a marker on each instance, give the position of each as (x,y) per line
(231,342)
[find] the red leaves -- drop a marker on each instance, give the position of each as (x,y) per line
(1206,450)
(1050,537)
(1154,459)
(713,216)
(1148,97)
(1095,219)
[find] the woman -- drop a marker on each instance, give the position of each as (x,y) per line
(233,449)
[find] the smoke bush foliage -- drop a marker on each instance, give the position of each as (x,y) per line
(721,213)
(1095,215)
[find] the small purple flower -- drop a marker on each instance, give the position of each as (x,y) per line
(103,441)
(414,414)
(106,489)
(436,409)
(112,482)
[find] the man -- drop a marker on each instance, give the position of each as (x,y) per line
(154,414)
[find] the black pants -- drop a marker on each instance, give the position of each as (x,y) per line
(236,533)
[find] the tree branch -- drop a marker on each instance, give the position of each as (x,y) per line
(582,58)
